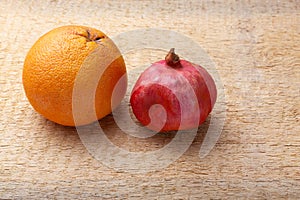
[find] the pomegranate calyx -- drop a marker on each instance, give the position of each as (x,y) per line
(172,59)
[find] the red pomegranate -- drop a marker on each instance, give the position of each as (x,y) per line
(173,94)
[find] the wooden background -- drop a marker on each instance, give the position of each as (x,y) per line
(255,46)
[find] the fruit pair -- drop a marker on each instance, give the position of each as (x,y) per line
(171,94)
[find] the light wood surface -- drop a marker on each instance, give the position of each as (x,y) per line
(255,46)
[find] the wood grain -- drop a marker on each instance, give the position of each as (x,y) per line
(255,46)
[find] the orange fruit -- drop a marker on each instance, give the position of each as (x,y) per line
(52,68)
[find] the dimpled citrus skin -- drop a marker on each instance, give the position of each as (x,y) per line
(51,66)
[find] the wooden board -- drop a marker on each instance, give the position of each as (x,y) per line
(255,48)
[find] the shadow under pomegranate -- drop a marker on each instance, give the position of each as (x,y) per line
(134,144)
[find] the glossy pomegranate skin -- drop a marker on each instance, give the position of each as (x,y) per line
(162,84)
